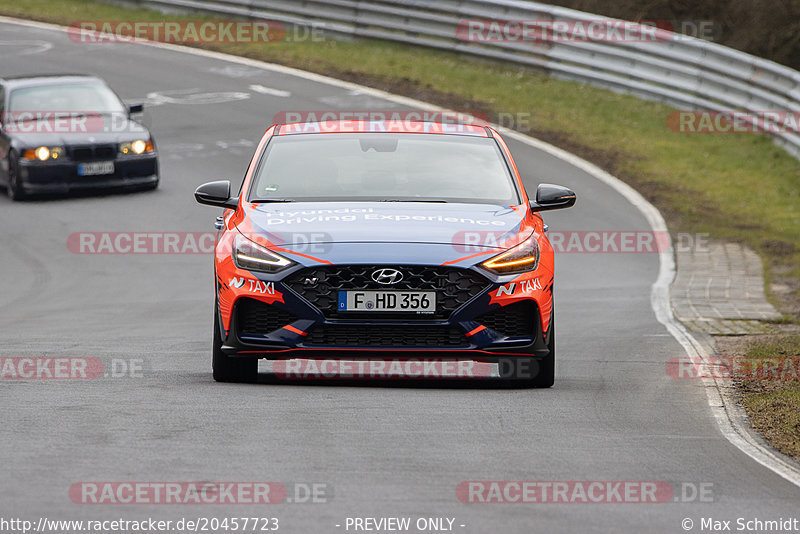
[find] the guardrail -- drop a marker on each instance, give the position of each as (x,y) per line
(679,70)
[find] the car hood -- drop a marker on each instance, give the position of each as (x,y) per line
(384,232)
(95,129)
(297,224)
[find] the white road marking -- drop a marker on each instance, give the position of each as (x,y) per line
(235,143)
(270,91)
(193,96)
(182,147)
(236,71)
(730,418)
(31,47)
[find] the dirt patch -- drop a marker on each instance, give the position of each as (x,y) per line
(778,247)
(785,290)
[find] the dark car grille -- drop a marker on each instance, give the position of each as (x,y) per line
(515,320)
(387,336)
(256,318)
(92,152)
(454,287)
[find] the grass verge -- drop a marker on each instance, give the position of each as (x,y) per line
(733,187)
(772,400)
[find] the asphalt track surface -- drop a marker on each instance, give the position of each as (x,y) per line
(613,415)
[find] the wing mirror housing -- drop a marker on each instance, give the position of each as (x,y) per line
(552,197)
(216,194)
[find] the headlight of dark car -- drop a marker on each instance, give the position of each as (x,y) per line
(43,153)
(137,147)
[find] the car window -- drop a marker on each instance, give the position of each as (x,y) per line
(82,97)
(382,166)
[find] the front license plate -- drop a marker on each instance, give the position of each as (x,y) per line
(93,169)
(388,301)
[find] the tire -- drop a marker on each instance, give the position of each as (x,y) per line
(15,191)
(226,368)
(531,372)
(547,365)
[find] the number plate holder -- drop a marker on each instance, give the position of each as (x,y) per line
(387,301)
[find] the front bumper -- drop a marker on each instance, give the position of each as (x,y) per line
(297,321)
(62,177)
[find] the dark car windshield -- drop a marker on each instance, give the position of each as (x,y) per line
(384,166)
(84,97)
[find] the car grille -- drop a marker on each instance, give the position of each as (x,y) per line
(256,318)
(454,287)
(92,152)
(515,320)
(387,336)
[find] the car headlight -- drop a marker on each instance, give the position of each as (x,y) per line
(253,257)
(140,146)
(521,258)
(43,153)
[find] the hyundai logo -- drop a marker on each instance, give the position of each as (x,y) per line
(387,276)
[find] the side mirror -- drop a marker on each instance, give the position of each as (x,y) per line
(552,197)
(216,194)
(135,108)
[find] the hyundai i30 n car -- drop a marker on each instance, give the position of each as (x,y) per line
(62,133)
(360,239)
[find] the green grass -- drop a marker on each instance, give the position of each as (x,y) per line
(774,405)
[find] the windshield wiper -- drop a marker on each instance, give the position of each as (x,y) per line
(268,200)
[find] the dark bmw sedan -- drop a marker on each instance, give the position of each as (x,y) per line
(66,133)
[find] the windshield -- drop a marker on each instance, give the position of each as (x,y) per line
(384,167)
(85,97)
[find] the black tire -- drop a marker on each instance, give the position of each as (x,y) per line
(529,371)
(226,368)
(547,366)
(15,191)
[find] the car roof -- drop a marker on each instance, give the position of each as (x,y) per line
(390,126)
(30,80)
